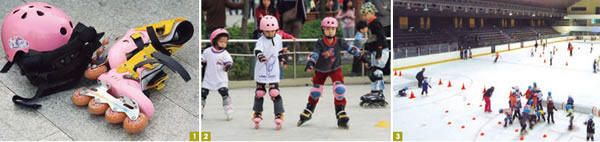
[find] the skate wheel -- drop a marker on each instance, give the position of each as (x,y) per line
(94,73)
(95,108)
(114,117)
(80,100)
(138,125)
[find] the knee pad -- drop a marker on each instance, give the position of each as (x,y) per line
(260,92)
(375,74)
(316,91)
(204,93)
(224,91)
(274,92)
(339,90)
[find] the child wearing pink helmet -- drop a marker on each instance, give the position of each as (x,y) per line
(326,60)
(217,61)
(270,55)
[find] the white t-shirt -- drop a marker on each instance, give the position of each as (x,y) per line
(215,77)
(268,72)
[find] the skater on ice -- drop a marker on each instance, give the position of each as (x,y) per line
(217,62)
(590,128)
(425,87)
(326,61)
(523,120)
(420,77)
(508,119)
(517,108)
(486,98)
(550,108)
(570,115)
(402,93)
(497,56)
(269,55)
(470,53)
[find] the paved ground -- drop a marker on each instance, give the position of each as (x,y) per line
(176,105)
(323,125)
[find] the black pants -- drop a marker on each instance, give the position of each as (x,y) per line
(424,91)
(531,121)
(357,65)
(420,82)
(550,115)
(516,114)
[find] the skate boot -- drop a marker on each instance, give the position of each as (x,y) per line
(306,114)
(374,99)
(257,117)
(278,120)
(342,119)
(164,37)
(227,107)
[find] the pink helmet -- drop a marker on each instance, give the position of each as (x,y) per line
(269,23)
(216,33)
(329,22)
(36,25)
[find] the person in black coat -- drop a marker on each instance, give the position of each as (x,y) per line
(420,77)
(590,128)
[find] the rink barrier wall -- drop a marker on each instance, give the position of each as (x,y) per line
(426,60)
(585,109)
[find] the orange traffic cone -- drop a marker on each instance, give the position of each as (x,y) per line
(412,95)
(483,89)
(567,64)
(399,73)
(449,84)
(463,87)
(544,61)
(440,83)
(395,73)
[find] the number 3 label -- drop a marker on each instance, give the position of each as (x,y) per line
(397,136)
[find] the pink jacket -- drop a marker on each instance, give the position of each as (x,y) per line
(346,22)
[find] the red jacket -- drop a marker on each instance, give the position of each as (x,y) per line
(259,13)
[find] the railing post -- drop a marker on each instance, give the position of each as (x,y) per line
(294,48)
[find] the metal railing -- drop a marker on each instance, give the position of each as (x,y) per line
(488,5)
(293,52)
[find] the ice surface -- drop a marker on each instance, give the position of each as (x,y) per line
(425,117)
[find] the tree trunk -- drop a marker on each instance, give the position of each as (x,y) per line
(357,4)
(244,31)
(322,4)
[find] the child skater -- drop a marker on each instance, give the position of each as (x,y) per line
(269,55)
(217,62)
(326,60)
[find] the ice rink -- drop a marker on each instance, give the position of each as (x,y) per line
(446,110)
(323,126)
